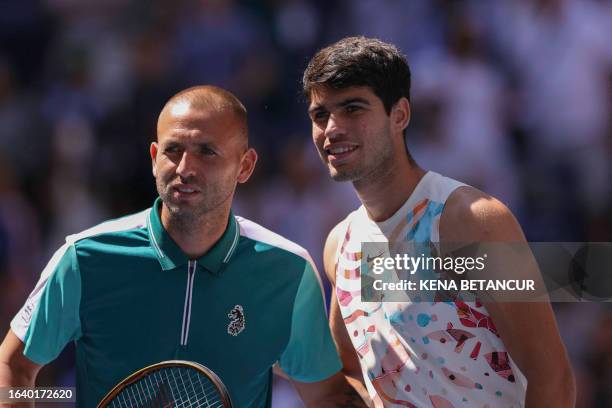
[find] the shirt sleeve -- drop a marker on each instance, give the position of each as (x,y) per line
(50,317)
(310,354)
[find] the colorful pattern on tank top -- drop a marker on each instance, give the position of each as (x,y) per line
(422,354)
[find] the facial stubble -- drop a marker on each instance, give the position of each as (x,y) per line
(376,162)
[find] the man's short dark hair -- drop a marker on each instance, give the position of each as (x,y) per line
(360,61)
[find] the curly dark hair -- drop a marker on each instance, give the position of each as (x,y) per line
(360,61)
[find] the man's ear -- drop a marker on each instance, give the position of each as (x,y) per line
(400,115)
(247,165)
(153,151)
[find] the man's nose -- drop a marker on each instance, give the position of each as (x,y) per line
(186,167)
(334,127)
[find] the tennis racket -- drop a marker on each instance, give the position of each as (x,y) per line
(169,384)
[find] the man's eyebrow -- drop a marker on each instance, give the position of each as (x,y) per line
(208,145)
(315,108)
(353,100)
(175,142)
(168,141)
(341,104)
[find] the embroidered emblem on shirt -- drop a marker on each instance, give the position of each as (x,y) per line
(237,321)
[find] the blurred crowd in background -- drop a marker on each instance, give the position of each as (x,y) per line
(511,96)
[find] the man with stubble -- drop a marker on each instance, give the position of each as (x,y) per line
(418,353)
(185,279)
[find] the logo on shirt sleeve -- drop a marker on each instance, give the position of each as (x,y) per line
(27,312)
(237,321)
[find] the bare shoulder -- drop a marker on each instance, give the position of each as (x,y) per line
(472,215)
(331,248)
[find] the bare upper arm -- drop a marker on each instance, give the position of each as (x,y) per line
(335,391)
(470,214)
(528,329)
(336,321)
(15,368)
(329,252)
(347,352)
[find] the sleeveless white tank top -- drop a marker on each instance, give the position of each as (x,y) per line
(421,354)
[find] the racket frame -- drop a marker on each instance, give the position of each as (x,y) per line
(137,375)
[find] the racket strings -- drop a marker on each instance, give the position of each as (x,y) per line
(170,387)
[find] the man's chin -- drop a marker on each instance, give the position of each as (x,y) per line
(180,206)
(185,214)
(341,175)
(337,176)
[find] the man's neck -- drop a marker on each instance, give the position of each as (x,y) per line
(384,194)
(195,237)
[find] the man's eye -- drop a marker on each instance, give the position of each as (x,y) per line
(171,150)
(318,116)
(206,151)
(353,108)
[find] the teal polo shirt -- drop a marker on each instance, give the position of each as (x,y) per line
(128,297)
